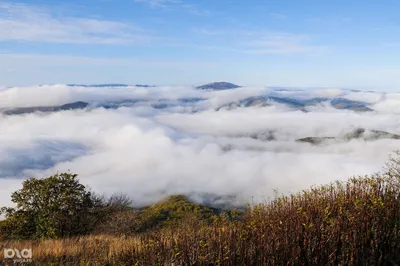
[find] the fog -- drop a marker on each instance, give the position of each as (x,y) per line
(193,149)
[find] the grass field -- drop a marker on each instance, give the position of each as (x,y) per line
(353,223)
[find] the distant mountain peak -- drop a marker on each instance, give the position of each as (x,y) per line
(73,106)
(218,86)
(112,85)
(98,85)
(144,86)
(46,109)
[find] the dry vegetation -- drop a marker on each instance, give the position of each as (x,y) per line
(353,223)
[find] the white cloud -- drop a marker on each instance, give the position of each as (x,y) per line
(149,153)
(20,22)
(388,105)
(220,98)
(291,124)
(61,94)
(329,93)
(368,97)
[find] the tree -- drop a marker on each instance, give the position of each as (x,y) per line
(393,165)
(53,207)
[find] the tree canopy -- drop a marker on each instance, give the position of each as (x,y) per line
(53,207)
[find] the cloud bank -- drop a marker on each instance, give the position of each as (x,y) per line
(189,146)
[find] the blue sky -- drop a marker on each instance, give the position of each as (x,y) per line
(309,43)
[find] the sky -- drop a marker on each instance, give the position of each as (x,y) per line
(346,44)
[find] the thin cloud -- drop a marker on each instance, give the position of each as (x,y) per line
(20,22)
(278,16)
(41,60)
(391,44)
(264,42)
(181,4)
(158,3)
(313,19)
(209,32)
(284,44)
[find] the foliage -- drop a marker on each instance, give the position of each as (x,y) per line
(53,207)
(352,223)
(167,213)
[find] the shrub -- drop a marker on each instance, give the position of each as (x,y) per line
(167,213)
(53,207)
(352,223)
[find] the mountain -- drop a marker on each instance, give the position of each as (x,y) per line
(28,110)
(299,104)
(46,109)
(144,86)
(97,85)
(315,140)
(218,86)
(341,103)
(109,85)
(370,134)
(72,106)
(263,101)
(359,133)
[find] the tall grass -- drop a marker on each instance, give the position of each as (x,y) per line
(352,223)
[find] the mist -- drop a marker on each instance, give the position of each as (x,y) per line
(193,149)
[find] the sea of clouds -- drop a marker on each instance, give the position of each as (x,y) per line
(191,148)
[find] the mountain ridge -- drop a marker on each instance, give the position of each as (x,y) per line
(218,86)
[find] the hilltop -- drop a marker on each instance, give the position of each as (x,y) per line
(359,133)
(218,86)
(46,109)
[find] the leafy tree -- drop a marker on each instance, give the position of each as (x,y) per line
(53,207)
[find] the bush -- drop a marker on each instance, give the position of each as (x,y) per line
(53,207)
(167,213)
(352,223)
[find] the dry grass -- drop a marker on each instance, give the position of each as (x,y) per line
(356,223)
